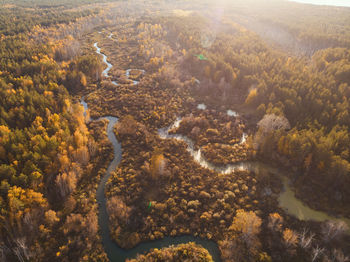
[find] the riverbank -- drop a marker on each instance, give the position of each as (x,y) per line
(182,252)
(159,181)
(114,252)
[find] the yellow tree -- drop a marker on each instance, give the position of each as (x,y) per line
(23,201)
(247,225)
(275,222)
(157,167)
(251,96)
(51,217)
(290,238)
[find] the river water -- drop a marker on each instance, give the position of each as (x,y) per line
(287,199)
(113,251)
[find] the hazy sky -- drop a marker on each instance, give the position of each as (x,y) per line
(325,2)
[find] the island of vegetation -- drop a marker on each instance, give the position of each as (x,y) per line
(182,252)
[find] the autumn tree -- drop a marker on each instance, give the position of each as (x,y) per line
(290,239)
(118,210)
(51,217)
(247,225)
(127,126)
(244,244)
(158,165)
(66,184)
(275,222)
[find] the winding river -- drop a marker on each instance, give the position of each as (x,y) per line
(114,252)
(287,199)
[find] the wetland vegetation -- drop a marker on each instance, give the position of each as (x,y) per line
(174,131)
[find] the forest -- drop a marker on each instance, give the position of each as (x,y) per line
(216,104)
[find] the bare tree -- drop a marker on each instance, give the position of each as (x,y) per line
(92,223)
(268,124)
(3,250)
(339,256)
(271,122)
(333,230)
(75,223)
(92,146)
(305,240)
(21,249)
(66,184)
(233,250)
(316,252)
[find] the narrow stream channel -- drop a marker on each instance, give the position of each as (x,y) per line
(114,252)
(287,199)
